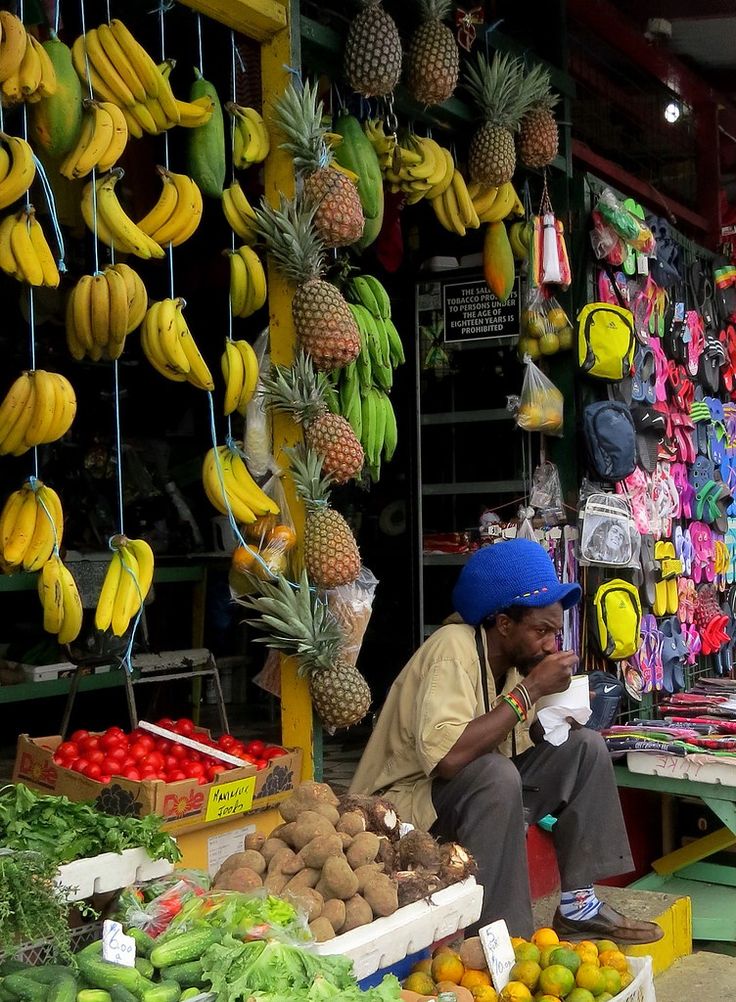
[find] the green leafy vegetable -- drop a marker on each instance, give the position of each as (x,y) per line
(32,907)
(62,831)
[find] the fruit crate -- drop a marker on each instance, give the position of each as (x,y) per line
(42,951)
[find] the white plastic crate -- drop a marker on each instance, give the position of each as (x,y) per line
(641,988)
(387,940)
(696,768)
(109,871)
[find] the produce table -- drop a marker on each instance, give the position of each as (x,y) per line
(691,870)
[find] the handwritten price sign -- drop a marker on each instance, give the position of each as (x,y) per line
(499,952)
(226,800)
(117,948)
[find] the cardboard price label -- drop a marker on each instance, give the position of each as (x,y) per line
(228,799)
(499,952)
(117,948)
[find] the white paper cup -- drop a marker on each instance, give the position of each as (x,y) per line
(576,695)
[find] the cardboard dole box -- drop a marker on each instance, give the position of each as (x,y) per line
(183,804)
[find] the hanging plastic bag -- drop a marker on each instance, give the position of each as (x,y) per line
(351,605)
(540,406)
(545,326)
(269,542)
(546,493)
(629,227)
(258,442)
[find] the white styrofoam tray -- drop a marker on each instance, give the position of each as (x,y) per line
(696,768)
(387,940)
(109,872)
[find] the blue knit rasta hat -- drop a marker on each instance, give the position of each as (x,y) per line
(515,572)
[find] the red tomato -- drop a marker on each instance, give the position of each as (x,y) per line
(179,751)
(175,775)
(171,762)
(129,762)
(108,741)
(104,778)
(194,769)
(96,755)
(255,748)
(250,759)
(184,726)
(139,750)
(237,748)
(116,730)
(93,770)
(67,749)
(154,759)
(131,773)
(163,745)
(214,771)
(89,743)
(117,754)
(270,753)
(194,756)
(226,741)
(166,722)
(81,764)
(78,736)
(261,763)
(202,780)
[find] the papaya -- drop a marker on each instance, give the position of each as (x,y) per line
(498,261)
(56,121)
(371,229)
(356,153)
(206,158)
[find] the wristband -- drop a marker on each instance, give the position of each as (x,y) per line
(515,705)
(523,692)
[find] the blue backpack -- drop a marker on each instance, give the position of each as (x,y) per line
(610,437)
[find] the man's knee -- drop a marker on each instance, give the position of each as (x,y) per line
(589,744)
(492,772)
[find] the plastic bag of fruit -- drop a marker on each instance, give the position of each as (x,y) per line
(545,326)
(269,542)
(351,605)
(257,440)
(540,406)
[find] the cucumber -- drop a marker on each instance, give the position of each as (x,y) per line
(63,989)
(103,975)
(143,942)
(167,991)
(93,995)
(144,985)
(188,975)
(11,966)
(188,946)
(21,987)
(144,966)
(48,974)
(190,993)
(6,996)
(120,994)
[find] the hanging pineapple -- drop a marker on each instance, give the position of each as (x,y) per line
(325,327)
(372,63)
(502,98)
(433,60)
(339,216)
(538,138)
(301,392)
(299,622)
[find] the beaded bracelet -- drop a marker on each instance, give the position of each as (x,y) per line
(511,700)
(524,693)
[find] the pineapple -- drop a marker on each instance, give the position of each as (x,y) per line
(331,554)
(538,139)
(498,90)
(372,63)
(339,215)
(301,391)
(298,622)
(433,61)
(325,327)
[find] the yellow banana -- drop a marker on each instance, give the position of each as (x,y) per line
(73,612)
(51,595)
(464,202)
(254,497)
(49,268)
(44,537)
(66,408)
(118,311)
(82,310)
(145,559)
(233,373)
(22,531)
(22,170)
(250,383)
(152,348)
(169,336)
(256,277)
(101,62)
(137,295)
(165,206)
(100,310)
(126,596)
(194,113)
(47,85)
(238,284)
(165,95)
(9,516)
(14,406)
(44,408)
(199,374)
(22,248)
(120,226)
(119,138)
(106,600)
(13,42)
(484,198)
(144,67)
(30,70)
(186,216)
(502,205)
(452,210)
(120,61)
(239,212)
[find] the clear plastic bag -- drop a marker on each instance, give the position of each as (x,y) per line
(541,405)
(255,915)
(351,605)
(269,543)
(629,227)
(546,494)
(608,534)
(545,326)
(152,907)
(258,439)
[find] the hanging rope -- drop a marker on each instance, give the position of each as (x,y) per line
(93,182)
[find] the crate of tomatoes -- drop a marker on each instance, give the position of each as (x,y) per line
(180,774)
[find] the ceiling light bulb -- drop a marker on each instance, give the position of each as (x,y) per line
(672,112)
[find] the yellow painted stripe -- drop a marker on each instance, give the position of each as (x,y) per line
(717,841)
(677,922)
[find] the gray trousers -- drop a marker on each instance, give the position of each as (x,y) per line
(484,808)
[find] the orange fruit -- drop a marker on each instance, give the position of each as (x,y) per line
(420,982)
(589,976)
(283,535)
(626,979)
(447,966)
(587,952)
(515,991)
(545,998)
(546,953)
(545,937)
(556,980)
(603,997)
(471,979)
(568,958)
(484,993)
(526,971)
(613,980)
(615,959)
(517,941)
(602,945)
(422,966)
(244,559)
(527,951)
(580,995)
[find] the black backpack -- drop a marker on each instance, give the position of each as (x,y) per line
(610,438)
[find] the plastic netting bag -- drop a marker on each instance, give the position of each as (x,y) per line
(541,405)
(269,540)
(257,440)
(351,605)
(545,326)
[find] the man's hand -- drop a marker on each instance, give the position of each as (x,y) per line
(552,674)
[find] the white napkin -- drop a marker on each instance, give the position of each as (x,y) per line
(553,712)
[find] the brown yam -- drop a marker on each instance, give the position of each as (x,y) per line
(308,877)
(286,833)
(280,869)
(308,826)
(335,912)
(307,797)
(364,873)
(387,854)
(317,851)
(270,847)
(357,912)
(321,929)
(254,841)
(243,879)
(456,863)
(249,857)
(414,885)
(338,878)
(363,849)
(346,840)
(381,893)
(352,822)
(471,954)
(418,850)
(380,815)
(306,900)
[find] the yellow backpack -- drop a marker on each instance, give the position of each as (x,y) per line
(617,625)
(606,341)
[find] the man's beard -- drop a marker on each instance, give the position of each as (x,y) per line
(525,665)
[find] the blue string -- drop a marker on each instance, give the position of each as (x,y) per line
(199,43)
(118,444)
(35,485)
(57,17)
(53,213)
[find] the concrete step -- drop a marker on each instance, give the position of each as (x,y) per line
(672,912)
(698,977)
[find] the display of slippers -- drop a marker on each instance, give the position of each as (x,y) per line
(674,653)
(666,598)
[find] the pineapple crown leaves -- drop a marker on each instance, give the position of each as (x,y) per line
(434,10)
(498,89)
(295,620)
(290,235)
(537,86)
(301,117)
(312,484)
(298,389)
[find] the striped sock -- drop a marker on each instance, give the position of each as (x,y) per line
(579,905)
